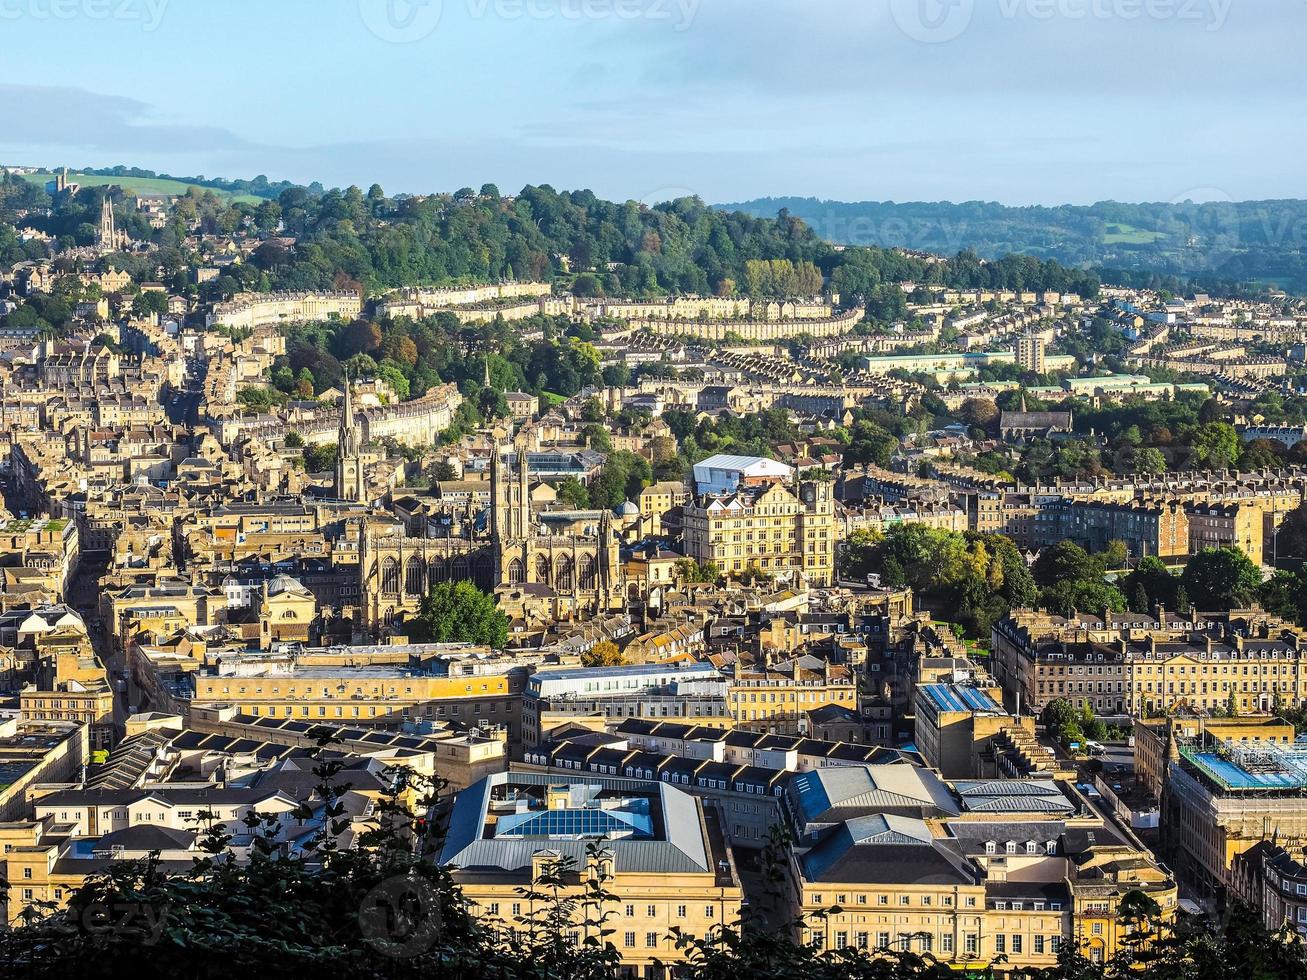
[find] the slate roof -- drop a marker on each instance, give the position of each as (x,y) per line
(677,846)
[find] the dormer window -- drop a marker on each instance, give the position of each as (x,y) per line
(991,847)
(1011,847)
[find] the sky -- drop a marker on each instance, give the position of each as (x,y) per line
(1017,101)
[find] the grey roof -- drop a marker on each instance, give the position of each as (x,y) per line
(840,792)
(1012,796)
(973,835)
(679,848)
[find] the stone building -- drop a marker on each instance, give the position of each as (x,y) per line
(565,563)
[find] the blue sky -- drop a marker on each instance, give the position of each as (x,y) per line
(1020,101)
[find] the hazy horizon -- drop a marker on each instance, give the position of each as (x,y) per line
(1016,101)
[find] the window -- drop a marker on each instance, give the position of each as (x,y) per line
(1000,943)
(651,940)
(1097,929)
(630,911)
(1016,944)
(27,873)
(972,941)
(680,911)
(628,940)
(1039,945)
(882,940)
(946,943)
(864,940)
(651,911)
(841,940)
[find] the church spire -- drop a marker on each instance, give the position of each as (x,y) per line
(349,450)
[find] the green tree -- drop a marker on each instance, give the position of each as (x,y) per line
(1066,562)
(572,493)
(459,612)
(441,471)
(1150,584)
(1084,596)
(1221,578)
(1285,594)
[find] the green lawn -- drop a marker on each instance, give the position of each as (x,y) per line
(1130,235)
(141,185)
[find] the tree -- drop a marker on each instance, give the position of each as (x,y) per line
(597,438)
(1291,537)
(573,493)
(1152,584)
(1221,578)
(442,471)
(1147,461)
(319,458)
(1215,445)
(1085,596)
(459,612)
(690,570)
(981,412)
(603,654)
(1285,594)
(1065,562)
(149,303)
(294,440)
(1056,713)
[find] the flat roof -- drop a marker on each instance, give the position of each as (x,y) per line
(956,697)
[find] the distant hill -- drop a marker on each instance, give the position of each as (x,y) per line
(141,185)
(1251,243)
(148,182)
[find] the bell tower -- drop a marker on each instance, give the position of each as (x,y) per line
(349,452)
